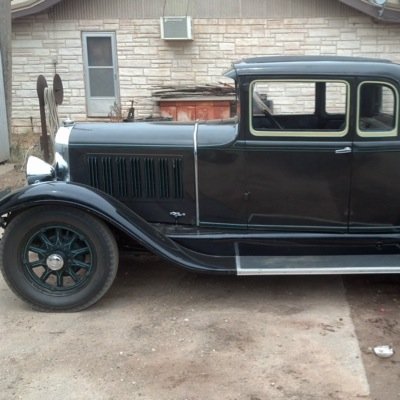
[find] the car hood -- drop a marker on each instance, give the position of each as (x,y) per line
(210,133)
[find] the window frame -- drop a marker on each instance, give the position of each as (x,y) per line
(306,134)
(378,133)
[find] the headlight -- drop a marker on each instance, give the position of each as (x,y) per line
(38,171)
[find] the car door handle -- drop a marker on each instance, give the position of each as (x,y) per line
(345,150)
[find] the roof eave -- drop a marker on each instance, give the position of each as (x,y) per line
(26,8)
(385,14)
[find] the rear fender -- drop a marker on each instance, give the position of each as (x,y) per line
(116,214)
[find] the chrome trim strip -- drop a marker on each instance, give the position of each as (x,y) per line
(62,135)
(237,257)
(319,265)
(196,172)
(318,271)
(61,148)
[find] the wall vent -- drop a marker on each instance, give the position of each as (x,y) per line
(176,28)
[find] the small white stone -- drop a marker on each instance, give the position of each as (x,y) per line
(384,351)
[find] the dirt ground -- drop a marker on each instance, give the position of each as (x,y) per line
(164,333)
(11,176)
(375,311)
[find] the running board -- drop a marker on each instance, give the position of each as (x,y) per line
(318,265)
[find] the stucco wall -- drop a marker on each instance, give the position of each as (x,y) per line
(43,46)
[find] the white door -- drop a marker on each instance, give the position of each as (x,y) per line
(100,72)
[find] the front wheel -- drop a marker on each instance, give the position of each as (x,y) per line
(58,259)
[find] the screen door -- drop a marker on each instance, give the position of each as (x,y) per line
(100,72)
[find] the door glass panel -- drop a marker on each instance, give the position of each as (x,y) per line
(286,98)
(387,105)
(101,82)
(377,110)
(299,108)
(335,98)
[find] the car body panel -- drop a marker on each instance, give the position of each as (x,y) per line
(301,186)
(375,187)
(116,214)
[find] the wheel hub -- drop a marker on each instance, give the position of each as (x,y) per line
(55,262)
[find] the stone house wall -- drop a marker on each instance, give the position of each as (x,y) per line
(42,45)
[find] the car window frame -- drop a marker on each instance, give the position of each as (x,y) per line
(301,134)
(376,134)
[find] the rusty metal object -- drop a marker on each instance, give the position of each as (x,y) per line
(44,139)
(58,89)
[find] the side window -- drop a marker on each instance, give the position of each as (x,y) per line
(377,110)
(299,108)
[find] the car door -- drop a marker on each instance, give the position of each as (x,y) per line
(375,193)
(298,154)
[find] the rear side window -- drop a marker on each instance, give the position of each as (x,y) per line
(377,109)
(299,108)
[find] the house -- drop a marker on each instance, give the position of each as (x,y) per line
(112,52)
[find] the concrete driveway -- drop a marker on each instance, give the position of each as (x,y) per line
(164,333)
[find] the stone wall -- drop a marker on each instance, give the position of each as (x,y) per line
(45,46)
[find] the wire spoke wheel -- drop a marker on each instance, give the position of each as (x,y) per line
(58,258)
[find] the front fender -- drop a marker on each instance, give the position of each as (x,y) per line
(115,213)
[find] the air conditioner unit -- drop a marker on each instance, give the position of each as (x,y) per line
(176,28)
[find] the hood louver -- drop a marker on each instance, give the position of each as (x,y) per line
(140,177)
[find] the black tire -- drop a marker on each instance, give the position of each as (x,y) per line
(58,259)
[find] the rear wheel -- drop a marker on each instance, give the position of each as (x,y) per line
(58,259)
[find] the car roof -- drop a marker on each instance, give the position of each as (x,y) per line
(315,65)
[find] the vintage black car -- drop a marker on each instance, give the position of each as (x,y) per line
(305,180)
